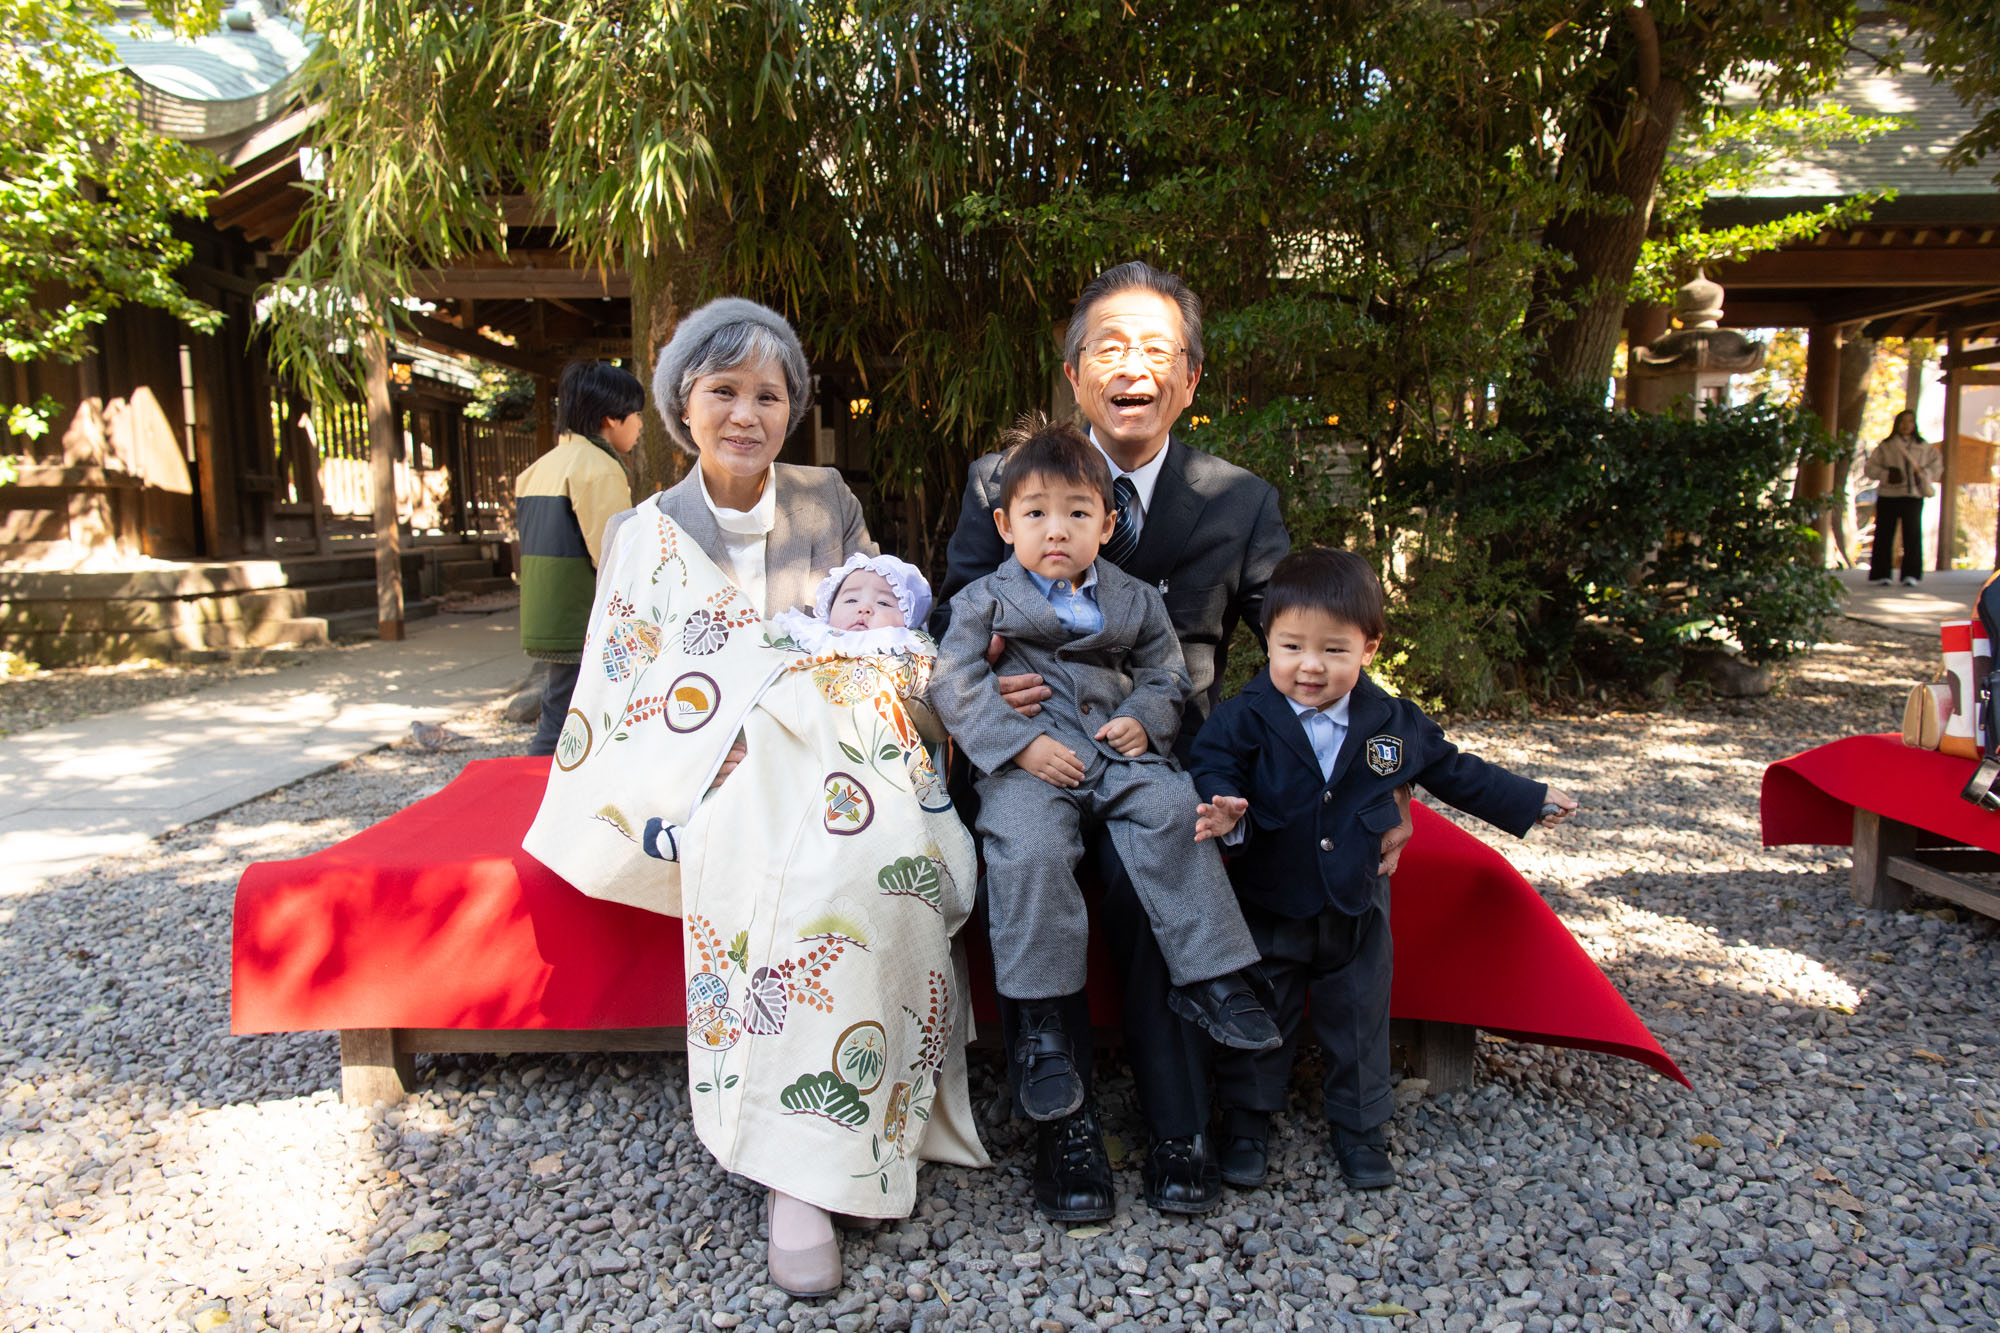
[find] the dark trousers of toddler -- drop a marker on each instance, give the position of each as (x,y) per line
(1340,966)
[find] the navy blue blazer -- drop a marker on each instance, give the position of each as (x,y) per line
(1313,844)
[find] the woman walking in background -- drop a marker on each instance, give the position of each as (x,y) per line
(1905,470)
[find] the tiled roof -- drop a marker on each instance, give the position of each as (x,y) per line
(218,85)
(1910,159)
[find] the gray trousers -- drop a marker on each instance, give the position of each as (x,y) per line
(1032,835)
(1340,966)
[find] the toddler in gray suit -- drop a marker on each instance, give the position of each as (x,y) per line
(1100,749)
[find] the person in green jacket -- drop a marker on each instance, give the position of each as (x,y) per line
(560,506)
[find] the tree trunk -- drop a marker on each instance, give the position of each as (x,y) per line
(1857,355)
(1578,313)
(665,287)
(382,458)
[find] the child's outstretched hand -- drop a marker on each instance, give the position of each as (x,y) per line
(1565,806)
(1126,735)
(1051,761)
(1214,819)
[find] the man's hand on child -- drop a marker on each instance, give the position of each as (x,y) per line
(729,763)
(1126,734)
(1051,761)
(1023,693)
(1397,838)
(1565,806)
(1215,819)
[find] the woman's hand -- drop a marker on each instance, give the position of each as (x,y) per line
(729,762)
(1023,693)
(1565,806)
(1051,761)
(1215,819)
(1126,735)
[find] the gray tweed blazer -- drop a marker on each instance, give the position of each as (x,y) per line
(819,525)
(1133,666)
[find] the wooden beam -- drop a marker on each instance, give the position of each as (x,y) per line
(1883,306)
(1947,538)
(1930,266)
(524,284)
(1755,314)
(1982,356)
(430,329)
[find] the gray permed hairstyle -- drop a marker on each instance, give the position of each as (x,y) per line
(723,335)
(1136,275)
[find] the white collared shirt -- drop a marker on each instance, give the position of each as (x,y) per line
(1144,478)
(744,534)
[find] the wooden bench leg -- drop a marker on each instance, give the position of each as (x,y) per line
(1876,840)
(371,1068)
(1440,1053)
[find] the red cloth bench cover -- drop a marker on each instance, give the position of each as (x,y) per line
(435,918)
(1811,797)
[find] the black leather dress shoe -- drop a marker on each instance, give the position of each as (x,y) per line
(1227,1009)
(1181,1177)
(1363,1158)
(1072,1172)
(1245,1162)
(1049,1085)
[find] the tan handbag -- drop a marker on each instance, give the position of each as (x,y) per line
(1924,715)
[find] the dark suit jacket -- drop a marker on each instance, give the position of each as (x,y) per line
(1213,534)
(1313,843)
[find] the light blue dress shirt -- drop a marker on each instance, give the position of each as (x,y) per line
(1075,605)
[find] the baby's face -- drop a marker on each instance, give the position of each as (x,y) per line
(865,600)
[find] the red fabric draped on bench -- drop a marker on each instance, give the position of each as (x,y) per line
(435,918)
(1811,797)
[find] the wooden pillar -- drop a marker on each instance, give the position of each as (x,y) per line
(1947,535)
(1823,399)
(382,458)
(545,414)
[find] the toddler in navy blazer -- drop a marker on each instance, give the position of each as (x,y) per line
(1301,770)
(1099,750)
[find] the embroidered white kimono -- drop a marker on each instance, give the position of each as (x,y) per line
(819,885)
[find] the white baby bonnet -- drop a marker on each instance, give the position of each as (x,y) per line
(913,590)
(913,594)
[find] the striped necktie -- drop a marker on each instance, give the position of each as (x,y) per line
(1125,533)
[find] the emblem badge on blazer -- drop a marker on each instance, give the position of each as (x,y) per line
(1385,754)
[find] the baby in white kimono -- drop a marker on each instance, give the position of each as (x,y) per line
(868,605)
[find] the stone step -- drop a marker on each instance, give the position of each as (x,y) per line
(363,623)
(479,587)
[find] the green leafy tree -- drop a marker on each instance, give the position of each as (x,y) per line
(1723,151)
(88,194)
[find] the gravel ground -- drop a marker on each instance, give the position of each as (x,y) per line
(1833,1168)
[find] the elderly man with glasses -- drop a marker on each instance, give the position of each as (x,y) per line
(1207,534)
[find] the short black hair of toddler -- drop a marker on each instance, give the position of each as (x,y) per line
(590,391)
(1319,578)
(1038,447)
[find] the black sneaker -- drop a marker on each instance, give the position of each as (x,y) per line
(1072,1172)
(1227,1009)
(1049,1085)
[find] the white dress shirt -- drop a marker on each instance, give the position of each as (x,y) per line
(744,532)
(1144,478)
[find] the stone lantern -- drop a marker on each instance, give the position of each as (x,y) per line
(1693,362)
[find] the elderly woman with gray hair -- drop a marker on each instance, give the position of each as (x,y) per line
(825,1012)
